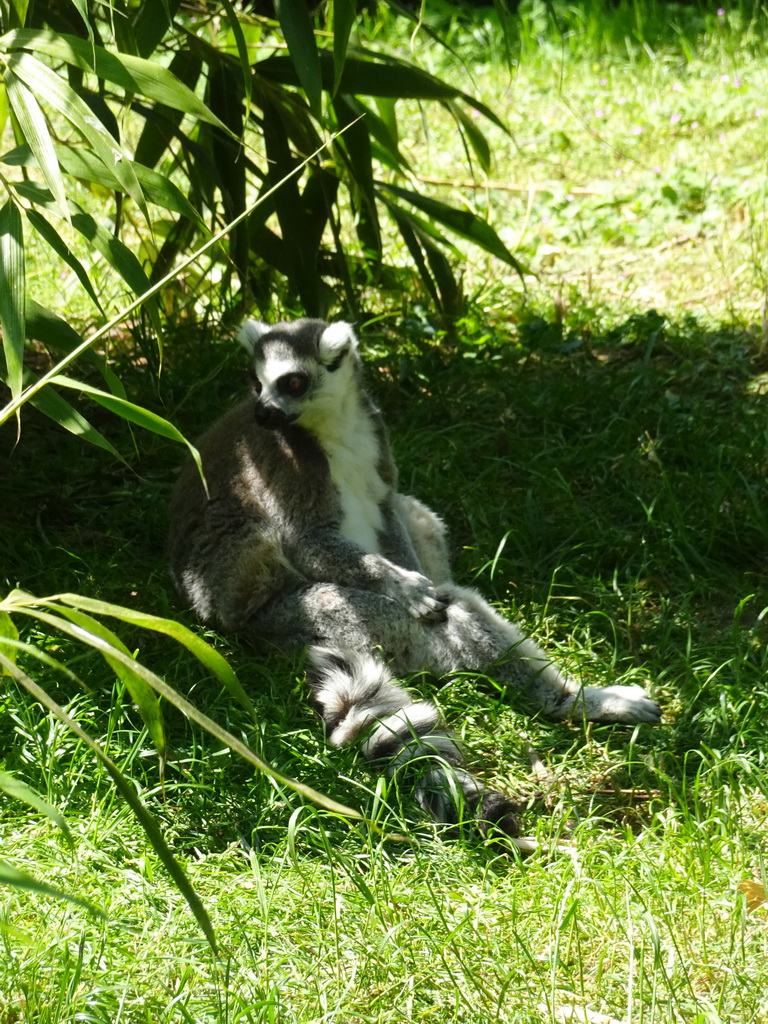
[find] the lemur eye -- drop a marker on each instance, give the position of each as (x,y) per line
(293,384)
(256,384)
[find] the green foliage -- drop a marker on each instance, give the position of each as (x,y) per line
(65,617)
(104,101)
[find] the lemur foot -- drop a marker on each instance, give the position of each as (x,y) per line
(625,704)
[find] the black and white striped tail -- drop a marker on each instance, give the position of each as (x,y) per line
(356,693)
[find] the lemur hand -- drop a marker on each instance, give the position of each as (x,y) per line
(421,597)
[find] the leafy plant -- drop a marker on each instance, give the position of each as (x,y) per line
(70,615)
(293,156)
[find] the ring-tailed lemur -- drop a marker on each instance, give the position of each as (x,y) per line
(304,539)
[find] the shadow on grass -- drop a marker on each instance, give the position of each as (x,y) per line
(611,487)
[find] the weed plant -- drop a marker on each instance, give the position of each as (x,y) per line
(599,450)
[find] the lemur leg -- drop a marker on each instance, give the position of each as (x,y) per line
(484,638)
(472,637)
(357,693)
(508,655)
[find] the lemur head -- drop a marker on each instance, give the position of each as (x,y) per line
(302,372)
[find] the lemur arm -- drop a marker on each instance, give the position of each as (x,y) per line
(324,555)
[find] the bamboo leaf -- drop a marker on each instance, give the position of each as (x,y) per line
(82,9)
(294,226)
(344,13)
(462,222)
(375,75)
(157,188)
(161,125)
(21,791)
(53,89)
(128,793)
(51,404)
(421,237)
(3,107)
(162,122)
(135,75)
(49,233)
(242,51)
(297,28)
(382,129)
(35,130)
(227,738)
(19,9)
(364,77)
(12,407)
(118,256)
(58,336)
(142,695)
(409,236)
(12,292)
(356,143)
(133,413)
(472,134)
(204,653)
(486,111)
(151,22)
(8,631)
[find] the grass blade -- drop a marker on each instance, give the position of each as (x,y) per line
(21,791)
(12,876)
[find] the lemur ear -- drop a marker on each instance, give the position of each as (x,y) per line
(250,333)
(337,339)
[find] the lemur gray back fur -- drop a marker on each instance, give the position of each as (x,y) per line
(304,539)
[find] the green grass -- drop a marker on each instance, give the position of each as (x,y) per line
(599,449)
(635,171)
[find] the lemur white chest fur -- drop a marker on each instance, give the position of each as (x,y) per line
(350,444)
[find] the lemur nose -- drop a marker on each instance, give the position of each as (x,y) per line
(272,416)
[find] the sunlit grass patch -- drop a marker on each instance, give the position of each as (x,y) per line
(635,170)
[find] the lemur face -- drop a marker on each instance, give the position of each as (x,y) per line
(300,371)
